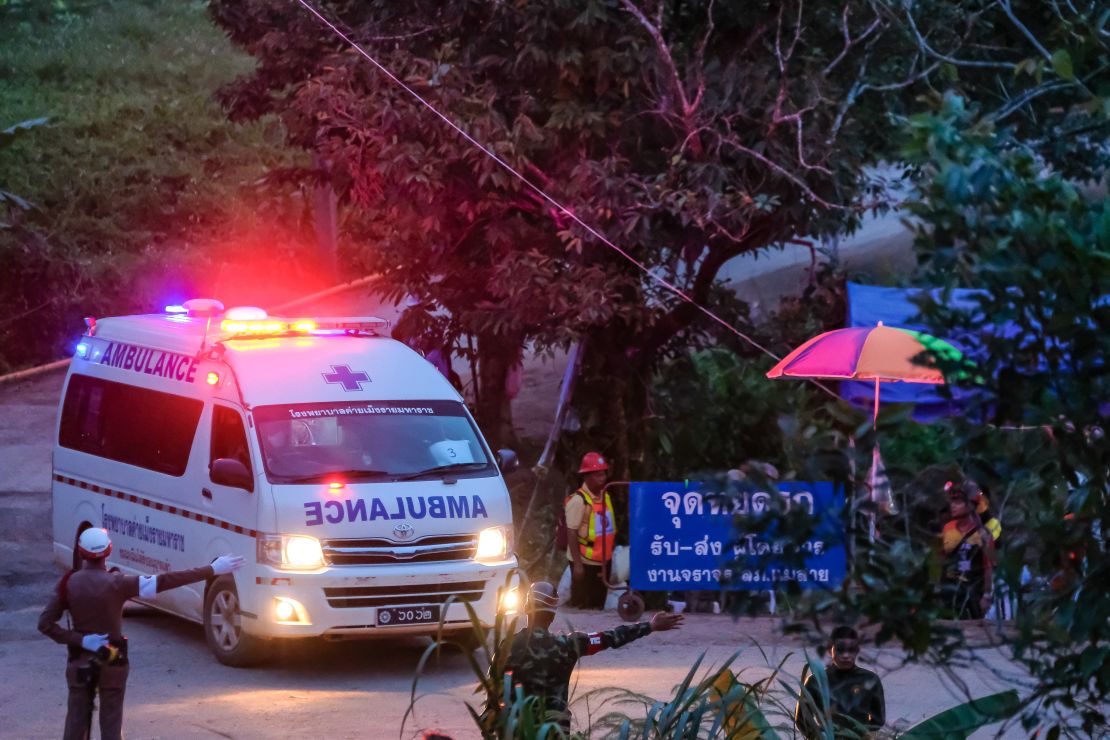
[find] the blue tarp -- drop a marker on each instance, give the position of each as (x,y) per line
(870,304)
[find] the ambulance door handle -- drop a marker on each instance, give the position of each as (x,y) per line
(206,493)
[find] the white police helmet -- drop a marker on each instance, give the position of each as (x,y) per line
(94,543)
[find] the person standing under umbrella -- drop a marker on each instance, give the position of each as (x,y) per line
(968,544)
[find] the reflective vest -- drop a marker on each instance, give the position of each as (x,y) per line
(599,517)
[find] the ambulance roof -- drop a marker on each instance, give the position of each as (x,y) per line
(176,333)
(306,368)
(333,369)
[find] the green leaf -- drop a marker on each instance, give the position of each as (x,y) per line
(1061,63)
(960,721)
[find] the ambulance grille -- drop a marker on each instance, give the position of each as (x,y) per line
(380,551)
(418,595)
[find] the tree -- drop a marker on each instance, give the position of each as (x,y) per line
(688,133)
(1038,248)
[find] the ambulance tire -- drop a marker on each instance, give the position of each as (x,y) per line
(223,627)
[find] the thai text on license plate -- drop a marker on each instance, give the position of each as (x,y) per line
(401,615)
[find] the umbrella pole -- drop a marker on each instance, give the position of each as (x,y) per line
(871,495)
(875,412)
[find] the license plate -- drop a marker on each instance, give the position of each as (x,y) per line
(401,615)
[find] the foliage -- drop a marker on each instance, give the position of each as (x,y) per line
(11,201)
(1038,248)
(723,396)
(725,399)
(502,712)
(689,133)
(1037,69)
(137,181)
(960,721)
(710,704)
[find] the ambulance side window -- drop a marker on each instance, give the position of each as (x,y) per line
(132,425)
(229,439)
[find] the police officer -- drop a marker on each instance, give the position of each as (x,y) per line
(94,598)
(541,663)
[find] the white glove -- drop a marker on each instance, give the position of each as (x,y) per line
(92,643)
(226,563)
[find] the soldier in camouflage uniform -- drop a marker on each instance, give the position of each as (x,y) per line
(541,663)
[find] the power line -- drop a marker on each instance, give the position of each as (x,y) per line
(541,192)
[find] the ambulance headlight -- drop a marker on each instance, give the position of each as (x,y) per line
(294,552)
(494,543)
(289,611)
(510,601)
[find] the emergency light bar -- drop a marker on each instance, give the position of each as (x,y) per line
(369,324)
(248,321)
(255,326)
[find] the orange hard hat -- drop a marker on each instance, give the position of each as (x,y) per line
(592,462)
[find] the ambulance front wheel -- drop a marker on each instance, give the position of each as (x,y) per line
(223,627)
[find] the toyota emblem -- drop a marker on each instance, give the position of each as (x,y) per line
(403,531)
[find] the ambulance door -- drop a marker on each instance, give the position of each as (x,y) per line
(228,491)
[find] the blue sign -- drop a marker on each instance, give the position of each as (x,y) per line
(684,537)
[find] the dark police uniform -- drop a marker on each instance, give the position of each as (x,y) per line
(858,703)
(94,598)
(541,663)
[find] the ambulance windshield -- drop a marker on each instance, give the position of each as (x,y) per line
(369,440)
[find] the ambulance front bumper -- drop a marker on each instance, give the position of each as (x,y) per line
(374,601)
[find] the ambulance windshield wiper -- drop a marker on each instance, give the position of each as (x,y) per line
(351,473)
(439,469)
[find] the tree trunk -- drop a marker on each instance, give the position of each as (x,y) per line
(496,356)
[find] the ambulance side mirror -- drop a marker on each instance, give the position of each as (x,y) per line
(507,460)
(228,472)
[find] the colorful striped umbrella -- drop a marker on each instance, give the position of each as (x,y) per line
(885,354)
(881,353)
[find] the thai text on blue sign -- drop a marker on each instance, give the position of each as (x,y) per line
(684,537)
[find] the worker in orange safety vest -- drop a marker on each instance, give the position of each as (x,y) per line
(592,529)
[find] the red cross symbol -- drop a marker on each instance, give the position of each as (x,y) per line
(350,380)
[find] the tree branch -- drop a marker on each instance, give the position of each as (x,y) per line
(850,42)
(675,82)
(924,45)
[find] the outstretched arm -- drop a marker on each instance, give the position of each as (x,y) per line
(594,642)
(148,586)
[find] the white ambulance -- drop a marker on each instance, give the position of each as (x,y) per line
(340,463)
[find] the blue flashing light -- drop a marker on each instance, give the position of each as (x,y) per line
(82,350)
(176,309)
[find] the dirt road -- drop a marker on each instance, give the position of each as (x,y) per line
(362,689)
